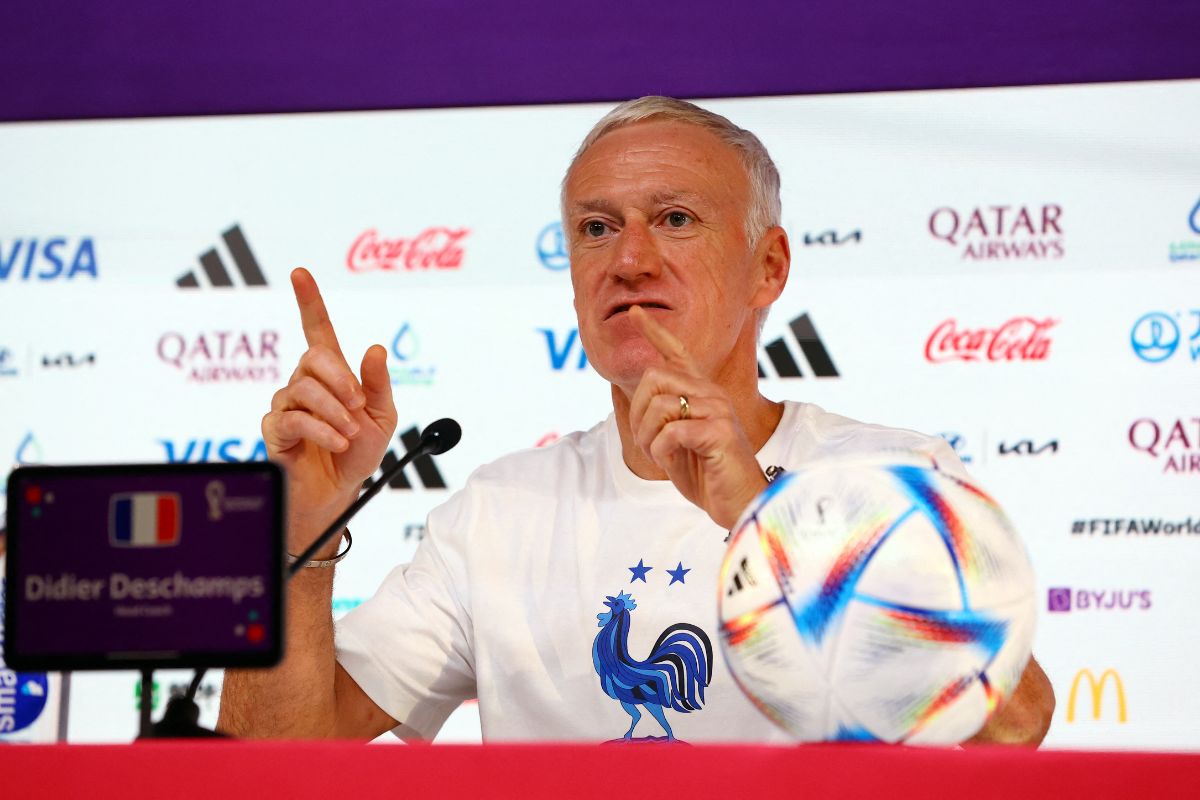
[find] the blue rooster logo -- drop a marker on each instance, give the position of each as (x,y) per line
(673,676)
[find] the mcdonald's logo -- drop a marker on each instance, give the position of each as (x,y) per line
(1097,689)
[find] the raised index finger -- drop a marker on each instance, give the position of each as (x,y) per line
(318,330)
(669,347)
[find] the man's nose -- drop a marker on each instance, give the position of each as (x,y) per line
(637,256)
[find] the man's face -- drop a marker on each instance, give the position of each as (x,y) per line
(656,216)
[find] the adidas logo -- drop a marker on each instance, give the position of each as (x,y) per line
(784,362)
(214,267)
(742,577)
(427,471)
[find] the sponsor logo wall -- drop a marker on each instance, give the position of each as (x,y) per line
(979,281)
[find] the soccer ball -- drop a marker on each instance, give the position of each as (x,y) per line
(876,601)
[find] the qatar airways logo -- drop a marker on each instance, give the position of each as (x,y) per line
(222,356)
(1175,443)
(1000,233)
(433,248)
(1018,339)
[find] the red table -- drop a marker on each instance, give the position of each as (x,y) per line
(262,770)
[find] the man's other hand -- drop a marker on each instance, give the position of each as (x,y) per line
(708,455)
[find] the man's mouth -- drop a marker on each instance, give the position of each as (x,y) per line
(623,307)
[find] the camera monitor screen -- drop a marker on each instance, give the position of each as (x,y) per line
(144,566)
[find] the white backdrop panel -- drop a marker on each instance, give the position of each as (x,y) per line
(1108,176)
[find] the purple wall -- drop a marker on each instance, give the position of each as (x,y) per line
(81,58)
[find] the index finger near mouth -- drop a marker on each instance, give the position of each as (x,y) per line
(669,347)
(314,318)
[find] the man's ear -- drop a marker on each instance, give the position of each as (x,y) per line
(774,259)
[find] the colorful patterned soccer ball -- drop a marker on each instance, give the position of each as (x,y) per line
(874,601)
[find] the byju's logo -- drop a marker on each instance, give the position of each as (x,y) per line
(427,471)
(562,347)
(1178,441)
(405,369)
(1097,691)
(214,267)
(1019,339)
(1059,600)
(832,238)
(552,248)
(48,259)
(432,248)
(782,357)
(995,233)
(1156,336)
(201,450)
(222,356)
(1188,249)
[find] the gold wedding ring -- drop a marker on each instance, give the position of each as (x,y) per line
(685,411)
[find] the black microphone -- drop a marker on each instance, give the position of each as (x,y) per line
(437,438)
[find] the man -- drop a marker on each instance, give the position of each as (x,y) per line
(672,218)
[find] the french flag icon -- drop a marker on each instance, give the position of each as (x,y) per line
(143,519)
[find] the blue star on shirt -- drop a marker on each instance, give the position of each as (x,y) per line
(639,572)
(677,574)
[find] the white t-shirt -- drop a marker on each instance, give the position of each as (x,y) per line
(502,598)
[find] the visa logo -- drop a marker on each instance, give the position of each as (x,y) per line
(561,352)
(201,450)
(27,259)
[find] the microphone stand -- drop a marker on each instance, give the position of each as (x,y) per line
(181,719)
(422,449)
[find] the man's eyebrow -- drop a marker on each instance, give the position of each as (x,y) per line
(656,199)
(602,206)
(669,198)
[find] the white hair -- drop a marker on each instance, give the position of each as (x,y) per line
(765,207)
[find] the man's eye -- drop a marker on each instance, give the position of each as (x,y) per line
(677,219)
(595,228)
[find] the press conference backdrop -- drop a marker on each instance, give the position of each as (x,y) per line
(1017,270)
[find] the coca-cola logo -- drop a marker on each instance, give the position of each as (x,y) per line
(1019,339)
(432,248)
(1005,232)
